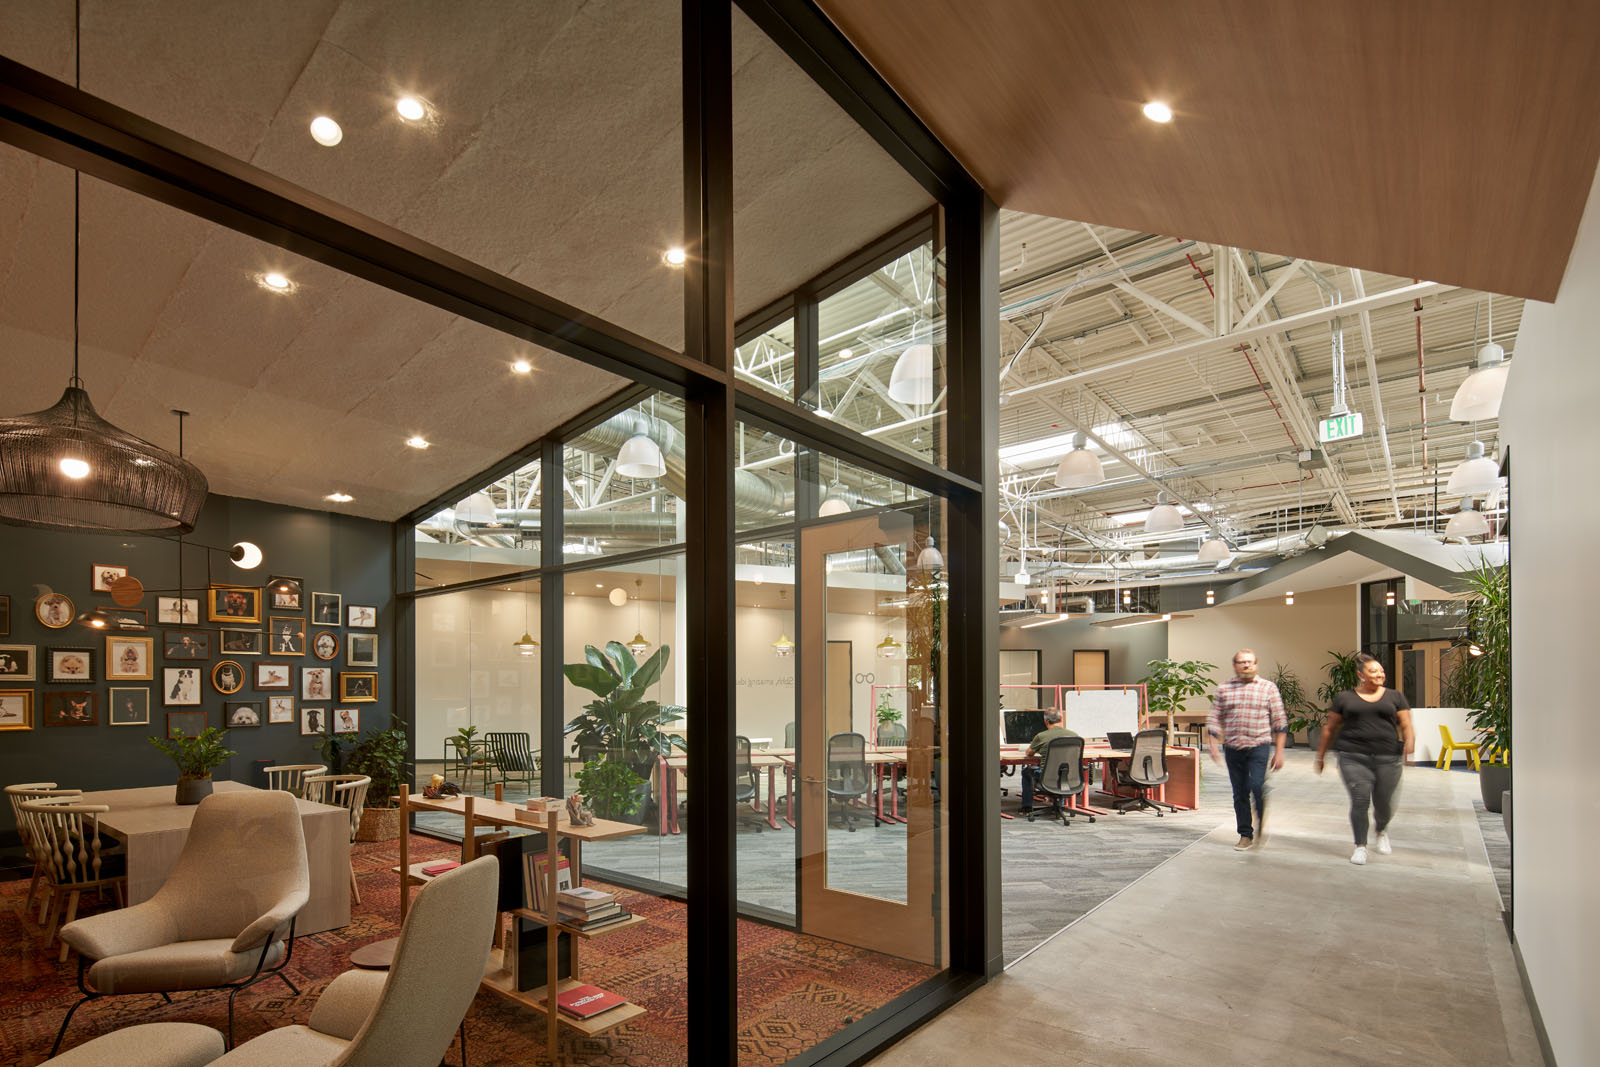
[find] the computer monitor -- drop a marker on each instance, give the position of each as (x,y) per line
(1021,725)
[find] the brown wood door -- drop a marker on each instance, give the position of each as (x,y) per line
(1091,666)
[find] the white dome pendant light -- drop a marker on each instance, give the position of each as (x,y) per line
(1079,468)
(1467,522)
(640,457)
(911,382)
(1479,396)
(1475,475)
(1214,550)
(1163,518)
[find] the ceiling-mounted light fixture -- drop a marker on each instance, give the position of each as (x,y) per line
(618,597)
(835,503)
(1127,597)
(1214,550)
(246,556)
(1479,396)
(1467,522)
(889,648)
(1211,597)
(1288,599)
(1388,598)
(525,645)
(477,508)
(1474,475)
(640,458)
(1163,518)
(1079,468)
(911,381)
(783,647)
(930,558)
(66,468)
(638,644)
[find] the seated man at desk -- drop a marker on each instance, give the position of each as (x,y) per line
(1041,741)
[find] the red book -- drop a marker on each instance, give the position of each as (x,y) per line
(440,868)
(586,1001)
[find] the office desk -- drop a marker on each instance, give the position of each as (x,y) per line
(1182,789)
(769,761)
(155,829)
(1021,756)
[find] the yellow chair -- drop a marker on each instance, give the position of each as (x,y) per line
(1451,746)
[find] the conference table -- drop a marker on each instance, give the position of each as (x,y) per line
(155,828)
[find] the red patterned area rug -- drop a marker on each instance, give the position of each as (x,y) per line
(794,991)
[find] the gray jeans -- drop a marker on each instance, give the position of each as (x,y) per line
(1373,780)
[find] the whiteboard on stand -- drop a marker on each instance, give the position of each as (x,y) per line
(1096,712)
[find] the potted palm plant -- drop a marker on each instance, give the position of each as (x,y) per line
(1343,673)
(196,758)
(1172,682)
(618,735)
(1302,710)
(382,757)
(1481,681)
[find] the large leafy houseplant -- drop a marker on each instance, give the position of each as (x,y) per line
(1482,683)
(1303,712)
(382,757)
(619,733)
(1343,673)
(196,757)
(1172,682)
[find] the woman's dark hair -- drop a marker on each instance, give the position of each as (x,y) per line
(1362,659)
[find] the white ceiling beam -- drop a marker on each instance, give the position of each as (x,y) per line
(1210,346)
(1266,297)
(1157,304)
(1370,350)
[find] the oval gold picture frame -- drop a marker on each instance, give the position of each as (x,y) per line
(217,681)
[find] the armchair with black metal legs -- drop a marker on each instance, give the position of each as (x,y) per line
(1146,770)
(1061,777)
(746,787)
(847,776)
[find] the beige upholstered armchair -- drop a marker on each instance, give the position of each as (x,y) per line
(404,1018)
(223,919)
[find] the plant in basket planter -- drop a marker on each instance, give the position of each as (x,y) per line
(196,758)
(381,757)
(618,734)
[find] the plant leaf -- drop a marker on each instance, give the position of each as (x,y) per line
(650,673)
(624,656)
(586,676)
(598,659)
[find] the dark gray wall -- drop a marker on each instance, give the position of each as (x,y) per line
(1131,647)
(331,553)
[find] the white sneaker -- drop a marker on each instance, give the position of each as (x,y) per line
(1384,848)
(1359,856)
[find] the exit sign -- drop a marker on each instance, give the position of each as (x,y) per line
(1339,427)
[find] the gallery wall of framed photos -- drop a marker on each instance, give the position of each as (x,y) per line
(228,649)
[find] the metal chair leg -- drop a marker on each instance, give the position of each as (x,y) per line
(63,1031)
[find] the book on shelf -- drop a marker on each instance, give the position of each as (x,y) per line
(587,1001)
(594,924)
(564,913)
(535,868)
(439,868)
(583,896)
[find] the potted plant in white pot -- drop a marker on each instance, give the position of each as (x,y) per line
(196,758)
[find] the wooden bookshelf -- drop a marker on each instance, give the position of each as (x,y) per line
(481,811)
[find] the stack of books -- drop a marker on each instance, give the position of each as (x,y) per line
(583,908)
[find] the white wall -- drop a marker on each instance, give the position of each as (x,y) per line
(1548,418)
(1299,637)
(467,670)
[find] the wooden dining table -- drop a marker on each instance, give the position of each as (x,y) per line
(155,827)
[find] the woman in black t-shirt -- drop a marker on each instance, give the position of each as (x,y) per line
(1371,727)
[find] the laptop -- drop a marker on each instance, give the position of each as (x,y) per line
(1119,740)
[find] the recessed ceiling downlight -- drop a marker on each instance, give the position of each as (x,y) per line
(278,283)
(340,498)
(522,366)
(1156,111)
(410,108)
(417,442)
(325,131)
(674,257)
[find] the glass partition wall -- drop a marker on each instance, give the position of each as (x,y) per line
(780,531)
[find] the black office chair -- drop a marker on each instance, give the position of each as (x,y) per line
(1061,777)
(513,754)
(1146,769)
(788,736)
(847,776)
(745,785)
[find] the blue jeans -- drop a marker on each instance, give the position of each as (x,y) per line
(1247,770)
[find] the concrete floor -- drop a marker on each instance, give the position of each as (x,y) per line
(1288,953)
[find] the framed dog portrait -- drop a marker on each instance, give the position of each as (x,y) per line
(178,610)
(361,616)
(346,720)
(186,644)
(241,642)
(287,636)
(361,650)
(104,575)
(129,706)
(70,665)
(284,593)
(53,610)
(180,686)
(227,677)
(128,659)
(325,610)
(233,603)
(124,618)
(16,709)
(316,683)
(18,663)
(353,686)
(325,644)
(237,713)
(274,675)
(280,709)
(72,709)
(313,722)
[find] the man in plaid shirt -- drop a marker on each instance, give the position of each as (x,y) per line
(1248,721)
